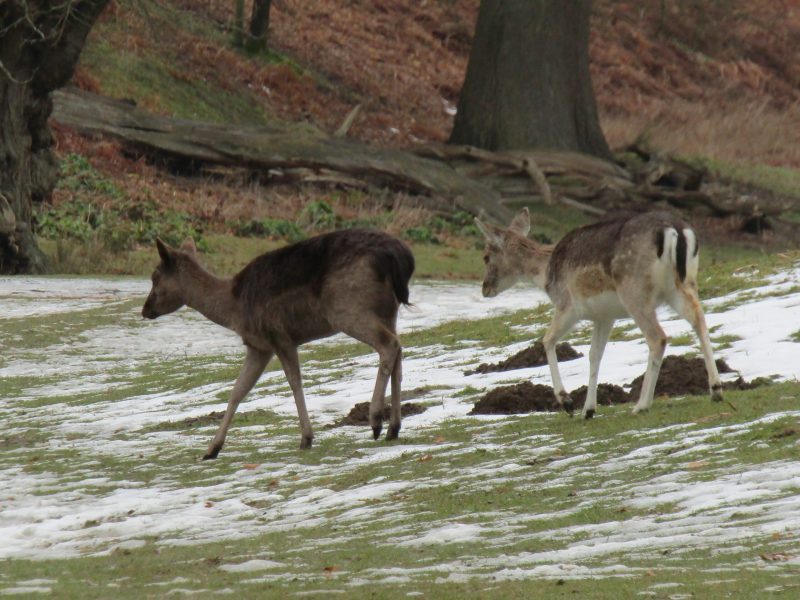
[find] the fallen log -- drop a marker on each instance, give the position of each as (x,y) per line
(442,177)
(193,145)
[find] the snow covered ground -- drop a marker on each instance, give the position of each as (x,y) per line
(44,514)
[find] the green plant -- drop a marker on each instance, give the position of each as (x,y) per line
(117,227)
(78,175)
(270,228)
(318,215)
(421,235)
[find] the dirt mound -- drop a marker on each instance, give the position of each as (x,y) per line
(680,376)
(532,356)
(607,394)
(211,418)
(359,414)
(524,397)
(527,397)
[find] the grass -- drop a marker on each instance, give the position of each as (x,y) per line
(451,482)
(539,505)
(153,75)
(783,181)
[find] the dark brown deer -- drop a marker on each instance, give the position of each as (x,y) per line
(602,272)
(350,281)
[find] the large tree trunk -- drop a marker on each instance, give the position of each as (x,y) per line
(40,42)
(528,83)
(259,25)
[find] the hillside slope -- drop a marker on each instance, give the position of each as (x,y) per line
(719,81)
(654,63)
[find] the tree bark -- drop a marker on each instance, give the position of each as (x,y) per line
(528,83)
(238,23)
(40,42)
(259,26)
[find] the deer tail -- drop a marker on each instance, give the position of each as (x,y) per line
(401,269)
(679,245)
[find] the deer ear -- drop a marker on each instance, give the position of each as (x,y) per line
(189,247)
(490,232)
(521,223)
(164,252)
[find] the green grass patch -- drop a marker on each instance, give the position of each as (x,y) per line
(780,180)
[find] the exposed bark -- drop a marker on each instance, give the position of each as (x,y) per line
(40,43)
(528,83)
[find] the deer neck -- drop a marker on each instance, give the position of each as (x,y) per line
(533,260)
(209,295)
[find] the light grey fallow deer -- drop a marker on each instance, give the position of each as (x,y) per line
(350,281)
(628,266)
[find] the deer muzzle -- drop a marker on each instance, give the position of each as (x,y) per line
(148,312)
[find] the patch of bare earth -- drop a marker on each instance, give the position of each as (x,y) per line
(359,414)
(679,376)
(532,356)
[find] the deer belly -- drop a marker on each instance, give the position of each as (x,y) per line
(594,295)
(600,306)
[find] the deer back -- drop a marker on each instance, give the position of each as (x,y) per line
(295,287)
(652,251)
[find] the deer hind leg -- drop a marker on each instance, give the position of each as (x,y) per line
(382,338)
(656,339)
(290,362)
(687,304)
(562,322)
(254,365)
(397,377)
(600,335)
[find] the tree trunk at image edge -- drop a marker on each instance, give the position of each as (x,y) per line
(40,42)
(527,83)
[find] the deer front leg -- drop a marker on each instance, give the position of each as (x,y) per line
(602,330)
(254,364)
(561,324)
(291,367)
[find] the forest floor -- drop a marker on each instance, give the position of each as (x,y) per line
(714,83)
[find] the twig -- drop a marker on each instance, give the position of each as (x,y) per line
(592,210)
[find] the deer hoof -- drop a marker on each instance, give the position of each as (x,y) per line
(566,403)
(716,393)
(376,431)
(588,414)
(305,442)
(211,455)
(393,432)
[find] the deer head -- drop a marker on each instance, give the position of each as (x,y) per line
(506,253)
(166,295)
